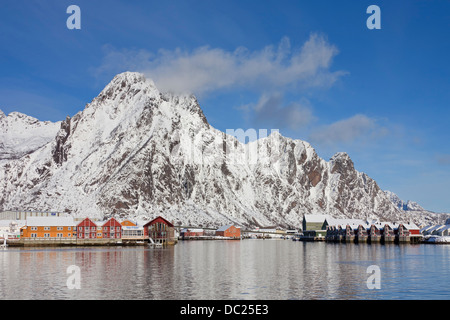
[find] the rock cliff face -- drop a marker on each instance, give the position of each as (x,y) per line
(137,152)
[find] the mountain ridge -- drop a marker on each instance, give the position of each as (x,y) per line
(137,152)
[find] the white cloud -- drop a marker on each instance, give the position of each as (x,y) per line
(270,111)
(356,128)
(204,70)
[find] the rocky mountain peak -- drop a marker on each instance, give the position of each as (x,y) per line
(125,86)
(137,152)
(403,205)
(341,163)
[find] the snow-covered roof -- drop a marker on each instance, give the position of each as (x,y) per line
(353,223)
(426,228)
(383,223)
(50,221)
(410,226)
(437,227)
(193,230)
(315,217)
(446,227)
(223,228)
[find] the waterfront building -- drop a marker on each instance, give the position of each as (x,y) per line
(436,228)
(132,232)
(128,223)
(374,233)
(361,233)
(112,229)
(387,232)
(191,232)
(159,230)
(314,226)
(11,228)
(314,222)
(87,229)
(348,233)
(402,233)
(444,231)
(229,231)
(425,230)
(345,230)
(48,227)
(414,234)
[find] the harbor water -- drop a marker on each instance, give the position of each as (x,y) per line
(247,269)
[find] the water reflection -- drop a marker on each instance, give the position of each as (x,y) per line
(249,269)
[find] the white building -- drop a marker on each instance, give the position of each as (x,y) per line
(11,227)
(132,232)
(444,231)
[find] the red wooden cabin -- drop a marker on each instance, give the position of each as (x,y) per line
(229,231)
(387,233)
(160,230)
(112,229)
(87,229)
(374,234)
(361,234)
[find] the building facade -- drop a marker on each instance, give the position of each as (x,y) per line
(48,227)
(87,229)
(229,231)
(112,229)
(160,230)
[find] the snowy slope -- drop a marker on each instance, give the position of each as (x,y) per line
(137,152)
(21,134)
(410,208)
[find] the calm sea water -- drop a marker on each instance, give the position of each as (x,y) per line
(248,269)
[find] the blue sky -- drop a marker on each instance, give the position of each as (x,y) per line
(311,69)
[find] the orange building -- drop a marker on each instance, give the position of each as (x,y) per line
(229,231)
(48,227)
(128,223)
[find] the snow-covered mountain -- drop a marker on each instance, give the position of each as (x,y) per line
(137,152)
(21,134)
(403,205)
(413,208)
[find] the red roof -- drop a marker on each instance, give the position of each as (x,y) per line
(87,222)
(113,222)
(159,219)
